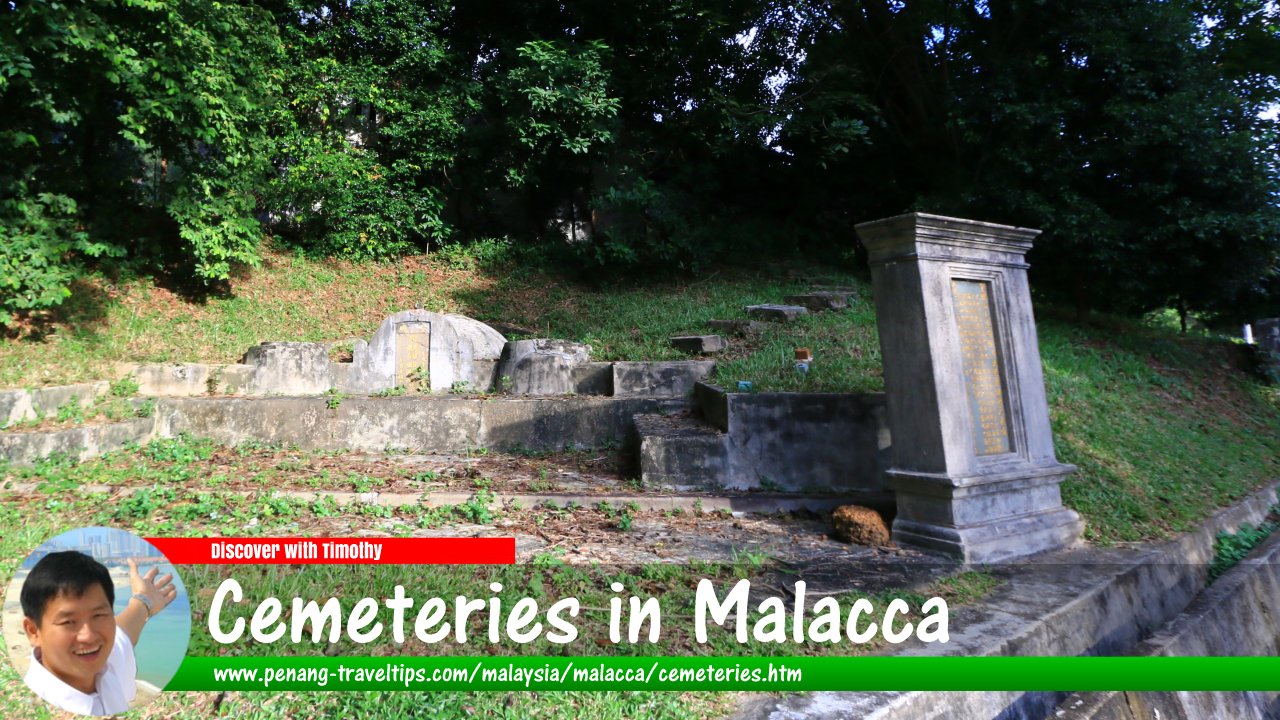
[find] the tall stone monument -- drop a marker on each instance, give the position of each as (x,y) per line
(972,461)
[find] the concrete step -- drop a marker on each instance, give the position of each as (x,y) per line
(699,344)
(776,313)
(737,327)
(673,379)
(819,300)
(681,452)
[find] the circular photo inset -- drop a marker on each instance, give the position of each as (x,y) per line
(97,621)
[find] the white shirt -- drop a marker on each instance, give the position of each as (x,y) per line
(117,683)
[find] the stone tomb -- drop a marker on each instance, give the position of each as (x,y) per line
(425,351)
(972,460)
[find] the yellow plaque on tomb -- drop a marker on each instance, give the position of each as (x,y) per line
(980,357)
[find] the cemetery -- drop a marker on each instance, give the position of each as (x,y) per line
(826,333)
(952,466)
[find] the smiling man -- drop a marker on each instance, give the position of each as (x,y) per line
(82,655)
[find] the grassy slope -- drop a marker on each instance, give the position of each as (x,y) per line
(1163,428)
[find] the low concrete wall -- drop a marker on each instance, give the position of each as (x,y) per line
(1234,616)
(1074,602)
(661,379)
(426,423)
(673,378)
(188,379)
(801,441)
(81,443)
(19,405)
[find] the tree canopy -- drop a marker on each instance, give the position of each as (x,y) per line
(170,134)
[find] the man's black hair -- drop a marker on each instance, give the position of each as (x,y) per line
(69,572)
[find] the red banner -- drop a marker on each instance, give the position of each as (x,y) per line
(344,551)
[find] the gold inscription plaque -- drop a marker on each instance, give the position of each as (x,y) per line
(413,355)
(981,361)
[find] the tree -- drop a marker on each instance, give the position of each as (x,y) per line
(1117,129)
(111,110)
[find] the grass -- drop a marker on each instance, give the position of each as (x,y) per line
(1164,429)
(146,323)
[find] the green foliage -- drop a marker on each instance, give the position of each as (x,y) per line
(476,509)
(557,106)
(1230,548)
(333,398)
(180,450)
(1120,130)
(117,136)
(142,503)
(43,251)
(669,136)
(484,253)
(146,408)
(124,387)
(71,411)
(370,128)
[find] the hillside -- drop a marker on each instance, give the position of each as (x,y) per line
(1163,427)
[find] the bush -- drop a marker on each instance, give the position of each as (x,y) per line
(41,254)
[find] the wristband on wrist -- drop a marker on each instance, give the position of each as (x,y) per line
(146,602)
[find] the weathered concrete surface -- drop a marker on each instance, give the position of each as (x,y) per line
(659,379)
(188,379)
(680,452)
(554,424)
(289,368)
(737,327)
(1234,616)
(820,300)
(1068,603)
(593,378)
(699,344)
(776,313)
(800,442)
(80,443)
(424,423)
(21,405)
(541,366)
(453,342)
(973,461)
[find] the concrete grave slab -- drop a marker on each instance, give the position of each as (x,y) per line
(1266,333)
(79,443)
(22,405)
(680,452)
(737,327)
(288,368)
(776,313)
(801,442)
(541,366)
(659,379)
(699,344)
(820,300)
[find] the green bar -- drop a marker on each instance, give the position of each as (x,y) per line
(730,673)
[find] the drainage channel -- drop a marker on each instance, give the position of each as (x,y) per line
(1089,601)
(1235,616)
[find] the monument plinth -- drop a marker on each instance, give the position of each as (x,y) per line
(972,460)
